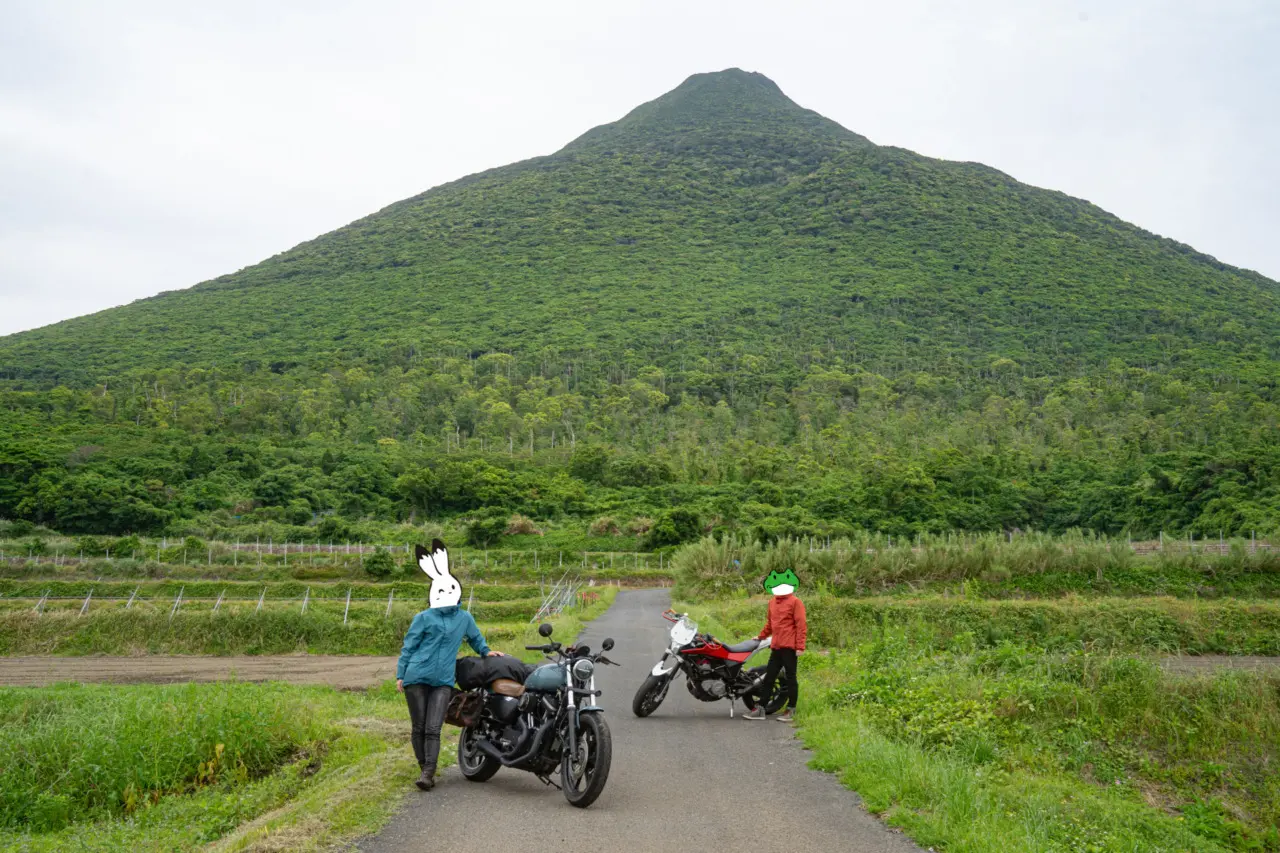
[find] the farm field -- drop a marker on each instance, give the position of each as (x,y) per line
(249,766)
(1012,701)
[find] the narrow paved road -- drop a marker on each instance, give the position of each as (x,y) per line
(686,778)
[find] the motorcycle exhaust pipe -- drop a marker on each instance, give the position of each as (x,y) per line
(493,752)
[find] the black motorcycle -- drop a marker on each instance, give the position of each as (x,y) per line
(550,721)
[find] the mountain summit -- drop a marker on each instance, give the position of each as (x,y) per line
(719,221)
(715,110)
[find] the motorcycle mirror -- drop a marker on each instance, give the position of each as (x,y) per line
(607,644)
(545,629)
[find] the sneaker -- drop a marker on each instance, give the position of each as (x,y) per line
(757,714)
(786,717)
(426,781)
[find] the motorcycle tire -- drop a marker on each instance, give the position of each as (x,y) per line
(474,764)
(774,702)
(596,743)
(651,694)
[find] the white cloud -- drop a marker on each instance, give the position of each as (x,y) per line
(146,146)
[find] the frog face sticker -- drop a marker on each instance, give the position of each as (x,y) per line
(782,583)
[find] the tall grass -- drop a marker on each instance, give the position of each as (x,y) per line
(1130,624)
(85,752)
(991,565)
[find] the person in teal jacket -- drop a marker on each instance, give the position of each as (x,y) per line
(425,673)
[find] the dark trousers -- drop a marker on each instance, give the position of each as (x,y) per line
(781,660)
(427,706)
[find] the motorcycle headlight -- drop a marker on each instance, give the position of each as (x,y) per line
(583,669)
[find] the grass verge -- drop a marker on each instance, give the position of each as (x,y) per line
(973,743)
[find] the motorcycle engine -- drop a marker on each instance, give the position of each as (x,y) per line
(714,687)
(704,668)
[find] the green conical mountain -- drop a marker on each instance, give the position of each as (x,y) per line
(720,213)
(722,268)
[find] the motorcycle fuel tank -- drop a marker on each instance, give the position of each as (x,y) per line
(545,679)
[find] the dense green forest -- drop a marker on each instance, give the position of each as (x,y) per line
(721,312)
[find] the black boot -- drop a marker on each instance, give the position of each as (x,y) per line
(427,780)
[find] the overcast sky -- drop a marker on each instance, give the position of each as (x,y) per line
(148,146)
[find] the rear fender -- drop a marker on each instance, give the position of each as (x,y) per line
(764,644)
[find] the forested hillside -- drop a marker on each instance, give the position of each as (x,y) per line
(723,303)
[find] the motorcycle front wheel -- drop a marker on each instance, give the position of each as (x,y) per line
(474,764)
(651,694)
(583,774)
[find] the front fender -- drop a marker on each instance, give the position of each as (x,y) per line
(596,709)
(668,664)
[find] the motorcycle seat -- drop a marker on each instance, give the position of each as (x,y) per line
(744,646)
(507,687)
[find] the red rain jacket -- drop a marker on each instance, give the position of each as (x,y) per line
(785,623)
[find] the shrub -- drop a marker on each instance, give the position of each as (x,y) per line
(298,511)
(486,527)
(639,525)
(605,525)
(674,527)
(380,564)
(18,529)
(521,525)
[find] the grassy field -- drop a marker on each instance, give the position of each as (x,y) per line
(240,629)
(175,767)
(1041,726)
(984,566)
(211,766)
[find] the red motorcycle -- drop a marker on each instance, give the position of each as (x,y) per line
(712,671)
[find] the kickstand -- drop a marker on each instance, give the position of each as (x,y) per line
(547,781)
(731,702)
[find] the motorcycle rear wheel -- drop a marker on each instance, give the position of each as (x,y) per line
(775,702)
(651,694)
(582,776)
(474,764)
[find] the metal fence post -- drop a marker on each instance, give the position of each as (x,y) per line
(177,602)
(348,607)
(390,598)
(132,597)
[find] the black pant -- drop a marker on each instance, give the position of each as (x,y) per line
(427,705)
(779,660)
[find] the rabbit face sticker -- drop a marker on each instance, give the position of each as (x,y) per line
(782,583)
(445,589)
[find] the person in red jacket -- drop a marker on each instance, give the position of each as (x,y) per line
(785,622)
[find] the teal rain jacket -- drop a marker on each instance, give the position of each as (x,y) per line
(432,643)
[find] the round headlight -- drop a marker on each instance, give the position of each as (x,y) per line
(582,669)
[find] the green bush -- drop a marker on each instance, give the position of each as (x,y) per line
(673,527)
(486,528)
(380,564)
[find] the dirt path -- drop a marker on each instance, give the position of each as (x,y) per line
(349,672)
(342,671)
(1192,664)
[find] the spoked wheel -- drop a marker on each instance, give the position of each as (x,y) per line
(474,764)
(651,694)
(774,702)
(583,774)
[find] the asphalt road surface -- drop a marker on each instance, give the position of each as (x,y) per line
(687,778)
